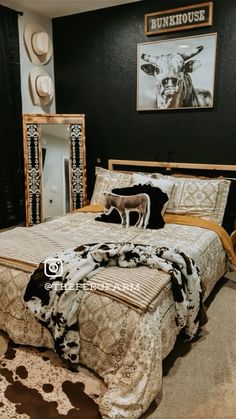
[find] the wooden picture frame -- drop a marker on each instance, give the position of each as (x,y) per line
(169,78)
(178,19)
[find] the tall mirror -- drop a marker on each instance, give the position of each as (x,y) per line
(55,166)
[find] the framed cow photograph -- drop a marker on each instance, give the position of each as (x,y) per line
(176,73)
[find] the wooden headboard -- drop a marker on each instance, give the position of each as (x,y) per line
(168,166)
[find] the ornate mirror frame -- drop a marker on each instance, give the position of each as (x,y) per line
(33,162)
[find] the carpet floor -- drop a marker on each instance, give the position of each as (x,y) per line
(199,378)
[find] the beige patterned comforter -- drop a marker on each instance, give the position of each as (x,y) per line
(123,345)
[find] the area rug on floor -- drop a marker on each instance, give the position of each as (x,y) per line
(36,384)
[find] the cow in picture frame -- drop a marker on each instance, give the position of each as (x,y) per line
(177,79)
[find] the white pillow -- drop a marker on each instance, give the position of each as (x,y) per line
(165,185)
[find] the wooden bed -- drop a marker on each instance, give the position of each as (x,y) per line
(124,336)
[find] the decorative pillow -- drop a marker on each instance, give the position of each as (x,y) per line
(205,198)
(106,180)
(117,200)
(165,185)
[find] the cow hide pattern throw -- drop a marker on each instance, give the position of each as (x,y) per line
(55,300)
(123,204)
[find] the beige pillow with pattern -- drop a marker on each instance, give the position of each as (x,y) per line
(205,198)
(106,180)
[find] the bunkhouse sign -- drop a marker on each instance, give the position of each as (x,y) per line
(187,17)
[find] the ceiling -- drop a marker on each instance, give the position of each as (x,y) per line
(56,8)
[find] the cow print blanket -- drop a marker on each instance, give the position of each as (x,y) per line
(56,288)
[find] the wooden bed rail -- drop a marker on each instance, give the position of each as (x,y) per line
(171,165)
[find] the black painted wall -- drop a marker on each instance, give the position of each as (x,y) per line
(95,57)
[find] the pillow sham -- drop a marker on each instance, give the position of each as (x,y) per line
(205,198)
(105,181)
(157,200)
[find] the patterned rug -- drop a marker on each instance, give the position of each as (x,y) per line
(36,384)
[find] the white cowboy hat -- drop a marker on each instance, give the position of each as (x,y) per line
(41,86)
(38,43)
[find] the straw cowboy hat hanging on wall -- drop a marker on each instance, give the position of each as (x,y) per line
(38,43)
(41,86)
